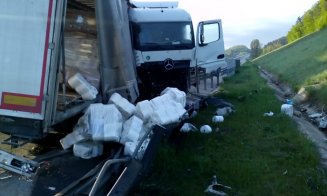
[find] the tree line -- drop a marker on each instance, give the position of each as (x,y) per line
(313,20)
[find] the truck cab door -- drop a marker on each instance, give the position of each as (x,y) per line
(210,51)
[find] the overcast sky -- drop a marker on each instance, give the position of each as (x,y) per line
(245,20)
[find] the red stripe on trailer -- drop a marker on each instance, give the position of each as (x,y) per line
(38,107)
(21,107)
(46,47)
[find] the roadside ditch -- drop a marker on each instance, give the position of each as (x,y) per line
(303,112)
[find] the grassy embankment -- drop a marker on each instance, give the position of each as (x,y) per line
(253,154)
(302,64)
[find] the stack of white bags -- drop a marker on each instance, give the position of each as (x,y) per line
(121,121)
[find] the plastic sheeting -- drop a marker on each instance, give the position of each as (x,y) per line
(81,56)
(87,149)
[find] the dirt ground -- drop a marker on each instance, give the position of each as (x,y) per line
(282,92)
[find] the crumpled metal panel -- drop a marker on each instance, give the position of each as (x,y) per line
(117,65)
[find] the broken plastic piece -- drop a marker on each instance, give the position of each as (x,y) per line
(217,189)
(52,188)
(268,113)
(187,127)
(315,115)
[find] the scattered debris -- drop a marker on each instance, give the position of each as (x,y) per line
(297,113)
(52,188)
(6,177)
(217,189)
(268,114)
(217,102)
(17,164)
(187,127)
(205,129)
(217,119)
(319,118)
(323,123)
(316,115)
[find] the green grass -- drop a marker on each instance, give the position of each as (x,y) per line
(253,154)
(301,63)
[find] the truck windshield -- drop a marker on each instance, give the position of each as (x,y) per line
(163,36)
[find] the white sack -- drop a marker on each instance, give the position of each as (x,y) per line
(131,130)
(124,106)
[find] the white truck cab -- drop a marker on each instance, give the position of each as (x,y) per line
(165,46)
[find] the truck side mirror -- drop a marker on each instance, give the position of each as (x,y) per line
(201,39)
(201,34)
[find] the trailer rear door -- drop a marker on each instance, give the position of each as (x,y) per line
(26,29)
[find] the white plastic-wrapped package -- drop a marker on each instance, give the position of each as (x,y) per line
(129,148)
(87,149)
(112,132)
(131,130)
(83,87)
(217,119)
(205,129)
(144,110)
(106,122)
(176,95)
(287,109)
(166,110)
(97,127)
(125,107)
(159,106)
(179,109)
(72,139)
